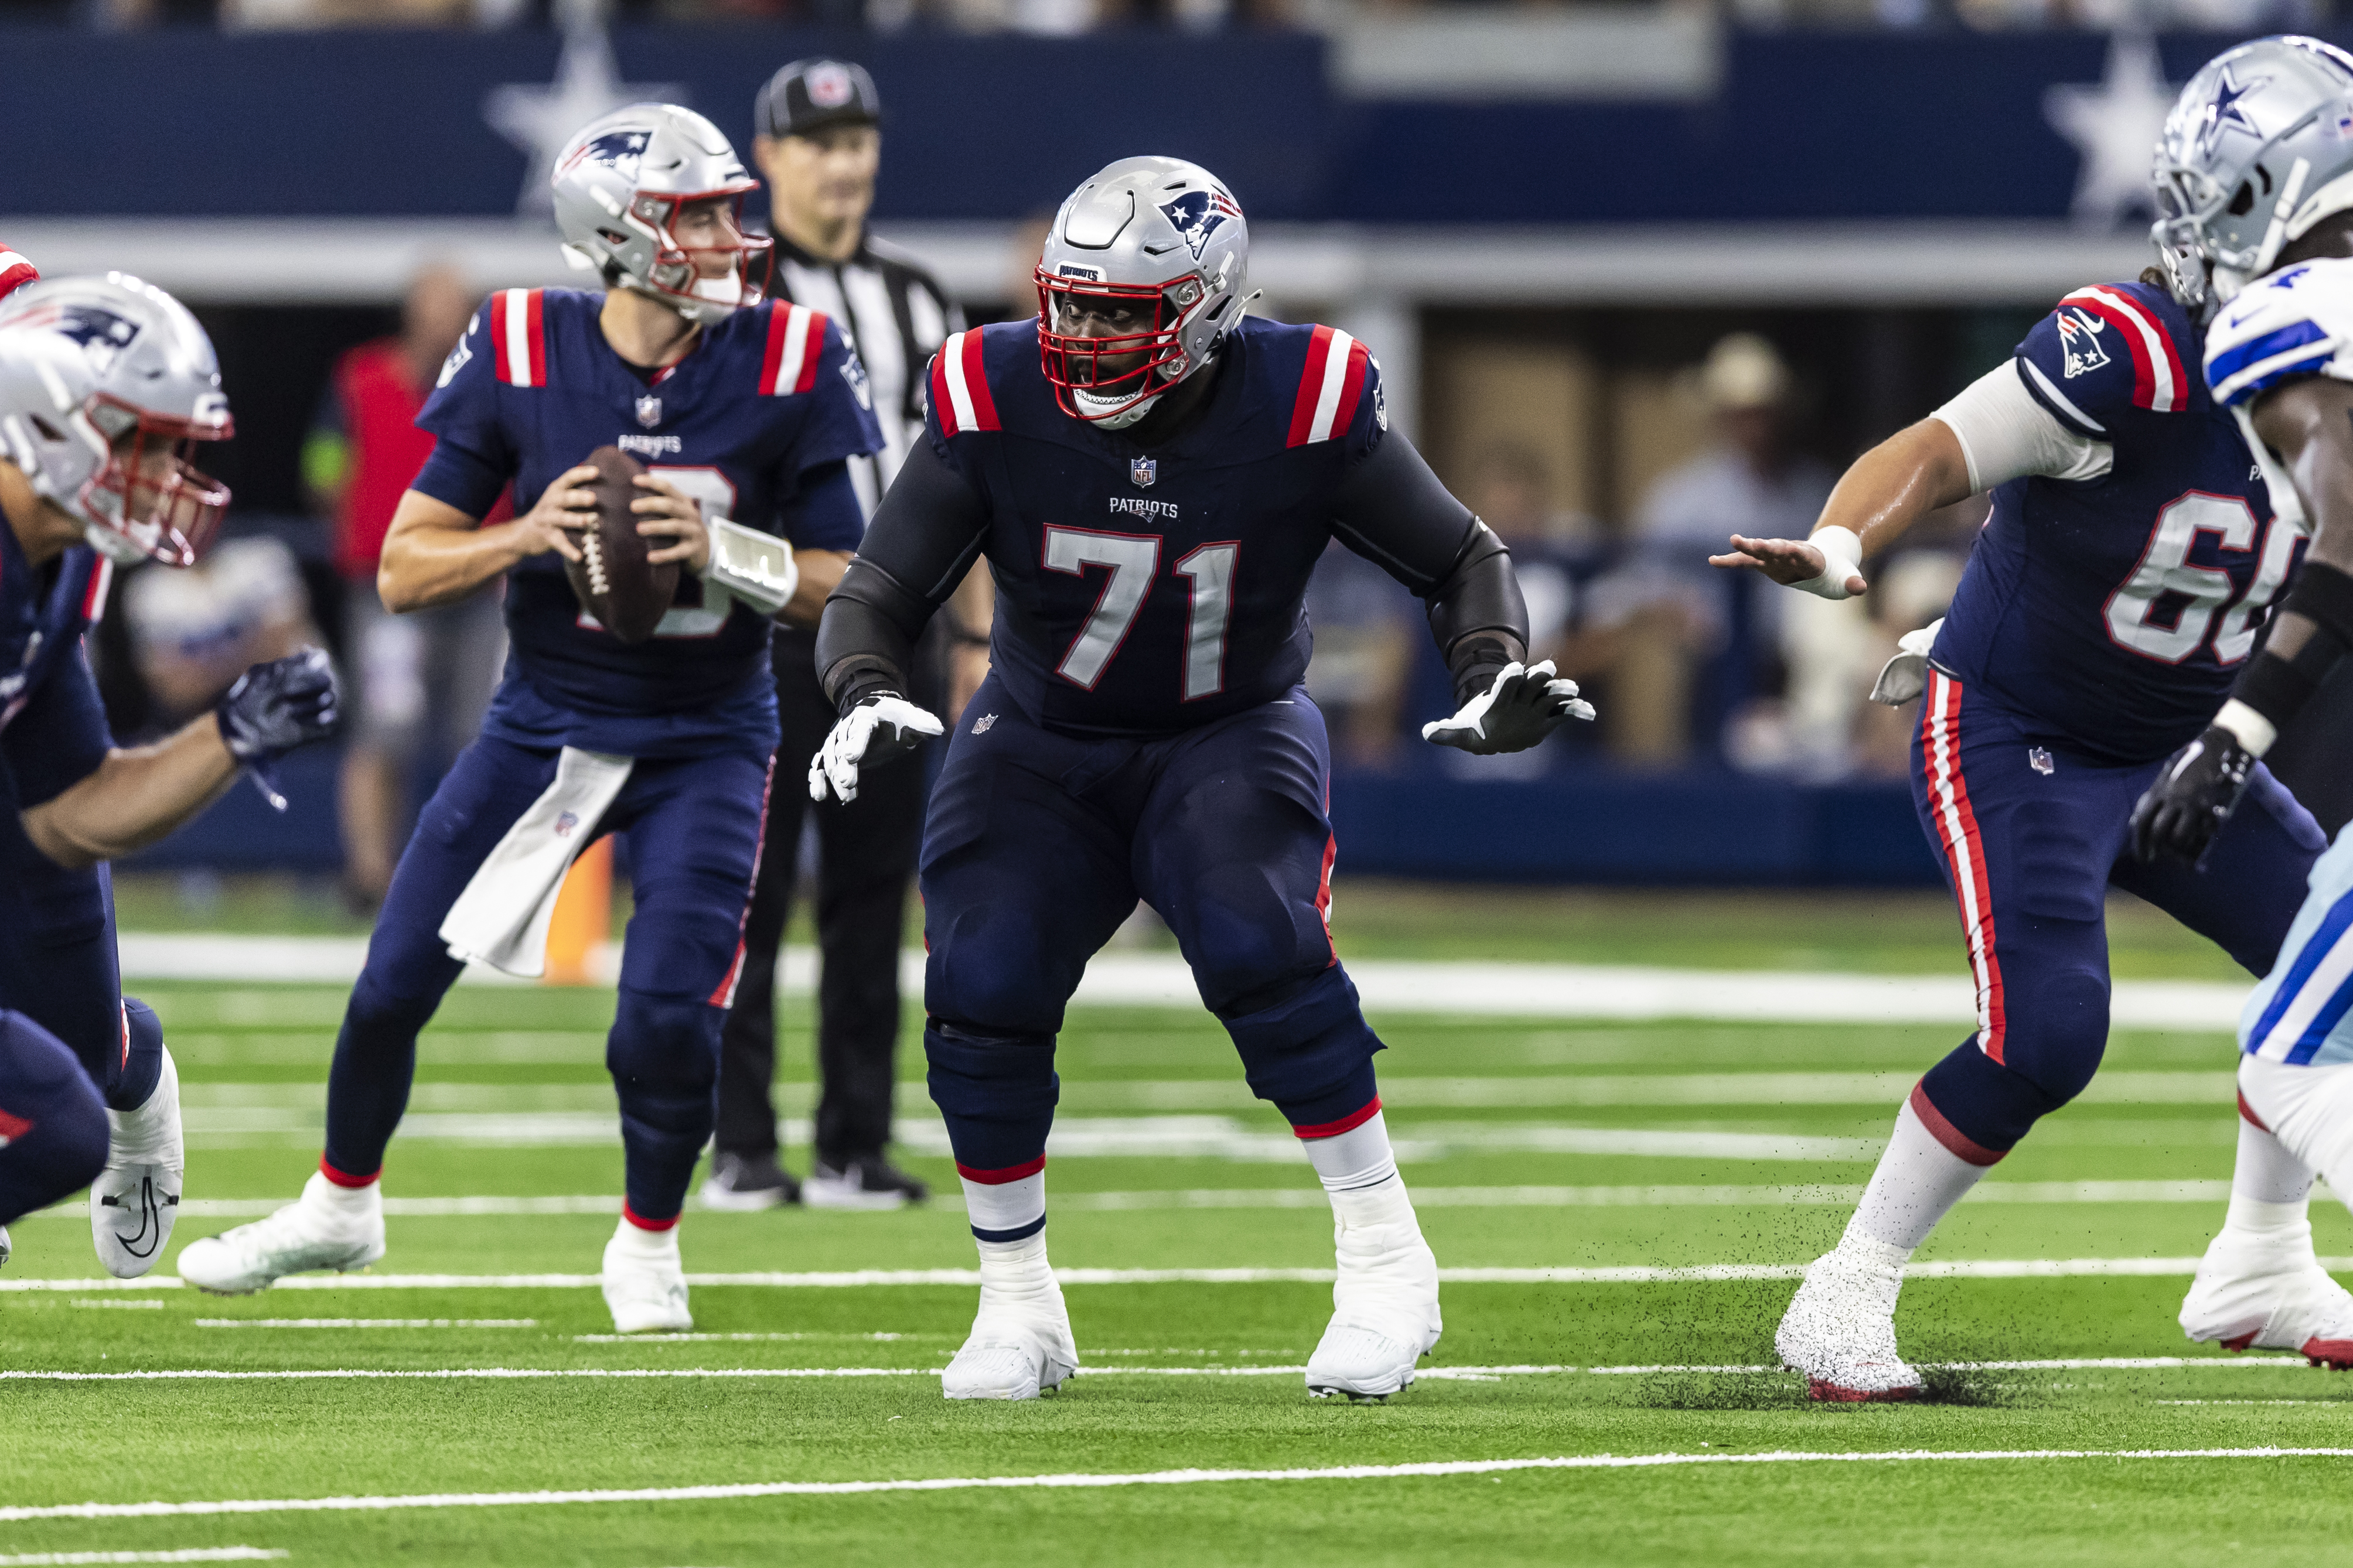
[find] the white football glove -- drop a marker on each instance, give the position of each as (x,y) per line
(875,731)
(1524,706)
(1906,675)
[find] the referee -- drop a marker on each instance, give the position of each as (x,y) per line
(819,144)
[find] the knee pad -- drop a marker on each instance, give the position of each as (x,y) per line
(997,1093)
(141,1063)
(2054,1035)
(990,974)
(53,1131)
(1988,1103)
(666,1047)
(1308,1044)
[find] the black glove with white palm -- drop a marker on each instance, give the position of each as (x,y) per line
(2179,814)
(1525,704)
(880,728)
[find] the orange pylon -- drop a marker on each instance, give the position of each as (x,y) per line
(583,921)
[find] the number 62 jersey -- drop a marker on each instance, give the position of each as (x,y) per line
(2110,612)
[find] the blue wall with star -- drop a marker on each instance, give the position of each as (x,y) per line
(1806,126)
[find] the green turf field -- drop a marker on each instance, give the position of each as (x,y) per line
(1569,1161)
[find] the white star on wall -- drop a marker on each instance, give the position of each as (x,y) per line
(541,120)
(2115,127)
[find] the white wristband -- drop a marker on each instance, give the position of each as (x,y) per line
(2251,729)
(754,568)
(1842,559)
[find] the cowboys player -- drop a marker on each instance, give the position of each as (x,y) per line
(105,384)
(1151,475)
(749,411)
(2259,212)
(2115,594)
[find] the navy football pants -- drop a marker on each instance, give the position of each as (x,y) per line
(1037,846)
(692,826)
(2031,837)
(58,967)
(52,1124)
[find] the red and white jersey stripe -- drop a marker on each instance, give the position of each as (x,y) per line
(1964,847)
(93,598)
(796,342)
(1337,366)
(2159,383)
(960,387)
(518,338)
(14,272)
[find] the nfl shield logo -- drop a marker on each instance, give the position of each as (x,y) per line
(1143,470)
(648,411)
(2039,759)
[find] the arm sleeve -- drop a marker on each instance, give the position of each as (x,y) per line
(2006,433)
(926,536)
(59,737)
(1393,510)
(473,459)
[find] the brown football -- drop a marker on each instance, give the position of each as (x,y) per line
(612,579)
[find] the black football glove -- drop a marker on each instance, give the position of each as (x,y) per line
(276,707)
(2193,796)
(1519,709)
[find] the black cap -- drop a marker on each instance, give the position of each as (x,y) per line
(807,95)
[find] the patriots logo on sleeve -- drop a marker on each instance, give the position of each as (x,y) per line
(2079,336)
(1197,215)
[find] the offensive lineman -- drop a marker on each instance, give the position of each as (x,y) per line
(2281,267)
(2115,593)
(105,385)
(749,411)
(1152,476)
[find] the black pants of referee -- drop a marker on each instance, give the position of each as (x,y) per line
(866,857)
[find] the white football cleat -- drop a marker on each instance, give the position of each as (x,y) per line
(1840,1331)
(3,1247)
(645,1283)
(1385,1315)
(327,1227)
(1020,1345)
(2270,1298)
(135,1199)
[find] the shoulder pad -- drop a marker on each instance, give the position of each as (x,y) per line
(796,342)
(1331,385)
(2291,323)
(519,336)
(960,397)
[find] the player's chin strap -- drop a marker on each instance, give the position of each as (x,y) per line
(755,568)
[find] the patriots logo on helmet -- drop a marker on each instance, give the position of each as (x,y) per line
(100,330)
(2079,336)
(1197,215)
(620,149)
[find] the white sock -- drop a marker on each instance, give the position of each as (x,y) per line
(345,1205)
(1359,1174)
(1917,1183)
(145,1136)
(1001,1212)
(650,1246)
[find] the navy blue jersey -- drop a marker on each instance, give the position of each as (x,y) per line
(2113,613)
(1143,591)
(764,398)
(53,729)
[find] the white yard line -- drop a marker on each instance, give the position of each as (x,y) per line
(1621,1273)
(185,1554)
(1497,990)
(1130,1478)
(366,1322)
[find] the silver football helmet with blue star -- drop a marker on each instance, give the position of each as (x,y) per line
(619,184)
(1143,274)
(2258,149)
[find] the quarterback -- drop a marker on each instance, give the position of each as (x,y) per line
(748,411)
(1152,474)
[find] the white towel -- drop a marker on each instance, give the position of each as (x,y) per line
(501,918)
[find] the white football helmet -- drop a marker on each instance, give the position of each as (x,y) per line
(105,383)
(1158,247)
(618,187)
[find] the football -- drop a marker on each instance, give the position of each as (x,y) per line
(612,579)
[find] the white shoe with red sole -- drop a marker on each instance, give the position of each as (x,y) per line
(1840,1331)
(2277,1300)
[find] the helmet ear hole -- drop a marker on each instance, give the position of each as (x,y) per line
(2244,202)
(48,431)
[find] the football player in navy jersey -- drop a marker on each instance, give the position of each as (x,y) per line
(2117,589)
(1152,476)
(747,413)
(105,384)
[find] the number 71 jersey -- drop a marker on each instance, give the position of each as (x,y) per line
(1145,590)
(2113,611)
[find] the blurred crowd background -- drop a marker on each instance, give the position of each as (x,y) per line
(1640,277)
